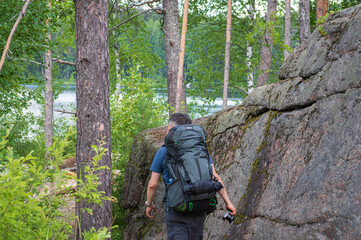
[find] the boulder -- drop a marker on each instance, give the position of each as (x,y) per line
(290,155)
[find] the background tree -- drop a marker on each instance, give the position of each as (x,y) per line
(48,76)
(321,8)
(304,19)
(180,104)
(251,16)
(267,44)
(23,67)
(227,54)
(93,113)
(172,47)
(287,28)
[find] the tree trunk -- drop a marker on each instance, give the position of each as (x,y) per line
(304,18)
(321,8)
(172,46)
(267,44)
(48,72)
(250,84)
(180,105)
(227,54)
(116,51)
(117,70)
(92,98)
(287,28)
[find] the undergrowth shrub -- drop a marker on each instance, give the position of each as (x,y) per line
(32,196)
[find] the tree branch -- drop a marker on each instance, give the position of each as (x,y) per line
(21,15)
(143,3)
(63,111)
(136,15)
(239,88)
(64,62)
(26,60)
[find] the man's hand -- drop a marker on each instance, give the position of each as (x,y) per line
(231,208)
(148,211)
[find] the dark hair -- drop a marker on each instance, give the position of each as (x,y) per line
(180,119)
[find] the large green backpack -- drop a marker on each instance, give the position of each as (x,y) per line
(192,188)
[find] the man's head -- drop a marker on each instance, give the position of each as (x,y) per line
(179,119)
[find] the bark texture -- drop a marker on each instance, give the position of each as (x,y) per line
(227,54)
(290,155)
(92,97)
(304,19)
(172,46)
(321,8)
(287,28)
(48,72)
(48,76)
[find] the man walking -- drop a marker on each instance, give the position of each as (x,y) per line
(180,226)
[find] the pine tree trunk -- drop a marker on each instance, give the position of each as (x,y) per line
(92,98)
(267,44)
(287,28)
(321,8)
(172,47)
(227,54)
(304,19)
(250,83)
(180,104)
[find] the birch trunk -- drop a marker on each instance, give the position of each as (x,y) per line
(250,83)
(117,70)
(227,54)
(117,59)
(267,44)
(287,28)
(304,19)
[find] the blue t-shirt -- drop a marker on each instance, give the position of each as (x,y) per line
(159,166)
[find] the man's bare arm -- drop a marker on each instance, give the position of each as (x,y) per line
(151,190)
(224,194)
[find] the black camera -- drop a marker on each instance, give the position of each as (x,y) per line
(228,217)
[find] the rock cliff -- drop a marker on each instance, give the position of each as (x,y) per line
(290,155)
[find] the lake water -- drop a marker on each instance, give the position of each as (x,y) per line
(67,101)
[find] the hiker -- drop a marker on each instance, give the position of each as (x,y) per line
(181,225)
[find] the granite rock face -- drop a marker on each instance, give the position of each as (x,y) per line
(290,155)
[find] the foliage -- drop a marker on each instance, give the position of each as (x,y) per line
(138,108)
(28,43)
(206,46)
(87,190)
(31,196)
(132,41)
(29,206)
(93,234)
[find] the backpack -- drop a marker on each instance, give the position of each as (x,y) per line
(192,187)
